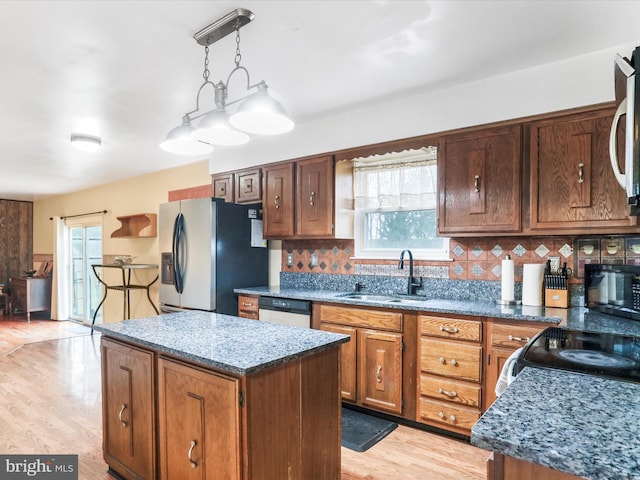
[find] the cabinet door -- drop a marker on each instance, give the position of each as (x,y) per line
(128,410)
(223,187)
(572,184)
(18,294)
(314,197)
(380,370)
(278,201)
(348,359)
(249,186)
(198,423)
(479,182)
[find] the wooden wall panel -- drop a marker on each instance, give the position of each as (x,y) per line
(16,238)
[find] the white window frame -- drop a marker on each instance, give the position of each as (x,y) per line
(361,252)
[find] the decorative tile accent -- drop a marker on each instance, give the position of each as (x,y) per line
(542,250)
(458,250)
(335,250)
(323,265)
(347,266)
(519,250)
(477,270)
(497,251)
(458,270)
(497,270)
(477,251)
(566,250)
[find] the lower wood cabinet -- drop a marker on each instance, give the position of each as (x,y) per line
(504,338)
(371,362)
(128,407)
(450,373)
(199,436)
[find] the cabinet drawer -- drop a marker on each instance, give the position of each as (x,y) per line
(451,359)
(450,390)
(459,329)
(447,414)
(512,336)
(248,307)
(360,317)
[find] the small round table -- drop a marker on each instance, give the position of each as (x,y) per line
(125,286)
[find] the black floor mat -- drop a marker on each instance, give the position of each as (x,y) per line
(361,431)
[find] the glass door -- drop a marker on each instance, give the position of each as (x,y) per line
(86,291)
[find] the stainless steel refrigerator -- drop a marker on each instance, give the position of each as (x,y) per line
(208,248)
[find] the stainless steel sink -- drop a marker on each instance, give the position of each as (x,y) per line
(378,298)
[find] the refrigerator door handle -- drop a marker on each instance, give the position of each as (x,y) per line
(178,228)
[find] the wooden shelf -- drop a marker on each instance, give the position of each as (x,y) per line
(137,226)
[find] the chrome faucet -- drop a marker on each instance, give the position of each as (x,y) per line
(413,283)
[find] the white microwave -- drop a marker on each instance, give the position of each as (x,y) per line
(627,84)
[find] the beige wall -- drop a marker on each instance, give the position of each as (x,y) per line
(141,194)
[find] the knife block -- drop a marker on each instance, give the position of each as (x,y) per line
(556,298)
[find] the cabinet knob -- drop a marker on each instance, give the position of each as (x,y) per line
(453,361)
(442,360)
(190,452)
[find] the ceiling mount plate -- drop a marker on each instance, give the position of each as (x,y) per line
(223,26)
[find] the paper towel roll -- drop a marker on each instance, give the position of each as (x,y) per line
(532,278)
(507,280)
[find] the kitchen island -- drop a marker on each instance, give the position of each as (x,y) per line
(217,396)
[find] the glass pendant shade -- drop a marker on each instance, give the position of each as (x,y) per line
(215,129)
(261,114)
(180,141)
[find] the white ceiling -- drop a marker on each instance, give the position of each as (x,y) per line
(128,70)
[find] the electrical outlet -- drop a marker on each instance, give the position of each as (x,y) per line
(289,259)
(314,259)
(555,264)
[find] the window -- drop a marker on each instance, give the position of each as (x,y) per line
(395,206)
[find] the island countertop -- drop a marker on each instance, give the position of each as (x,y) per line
(230,344)
(573,422)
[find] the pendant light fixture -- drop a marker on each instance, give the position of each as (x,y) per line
(257,111)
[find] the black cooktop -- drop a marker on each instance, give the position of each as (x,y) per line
(604,354)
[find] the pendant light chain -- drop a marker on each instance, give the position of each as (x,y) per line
(238,54)
(205,73)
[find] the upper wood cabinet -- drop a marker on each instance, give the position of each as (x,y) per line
(222,184)
(479,182)
(278,200)
(310,198)
(314,197)
(248,186)
(573,189)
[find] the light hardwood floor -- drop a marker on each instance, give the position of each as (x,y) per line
(50,403)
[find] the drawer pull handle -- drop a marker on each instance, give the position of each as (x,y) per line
(245,304)
(448,329)
(451,394)
(122,409)
(312,197)
(476,183)
(518,339)
(379,374)
(442,415)
(276,201)
(191,460)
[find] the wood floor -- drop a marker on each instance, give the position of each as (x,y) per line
(50,403)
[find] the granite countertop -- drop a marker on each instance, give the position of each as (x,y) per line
(572,422)
(230,344)
(575,318)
